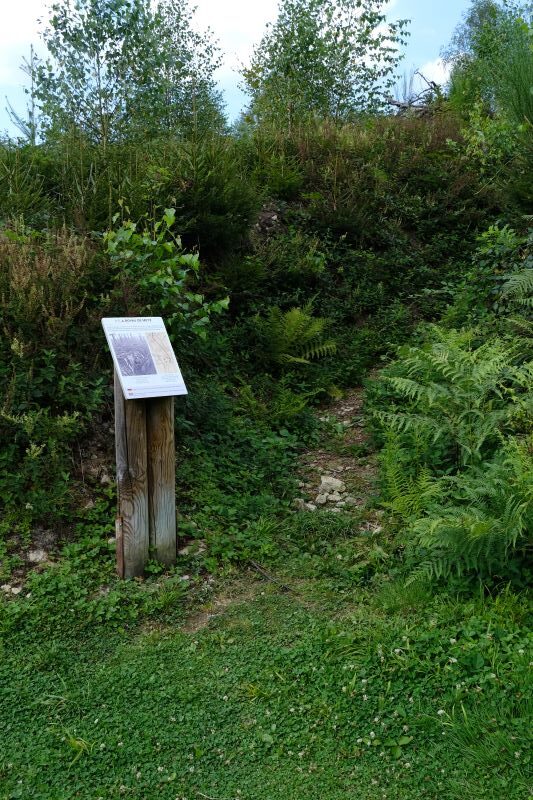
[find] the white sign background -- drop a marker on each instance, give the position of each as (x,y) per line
(143,357)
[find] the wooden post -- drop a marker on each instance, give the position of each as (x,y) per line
(161,478)
(132,483)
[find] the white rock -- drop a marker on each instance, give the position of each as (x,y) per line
(16,589)
(37,556)
(334,497)
(330,484)
(298,503)
(321,499)
(310,507)
(6,588)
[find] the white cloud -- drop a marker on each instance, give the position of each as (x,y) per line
(19,20)
(237,24)
(18,30)
(436,71)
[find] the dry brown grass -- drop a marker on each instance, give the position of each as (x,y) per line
(43,284)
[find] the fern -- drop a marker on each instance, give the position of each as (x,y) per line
(454,393)
(295,336)
(519,287)
(407,495)
(453,469)
(482,519)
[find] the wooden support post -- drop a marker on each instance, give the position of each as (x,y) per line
(161,478)
(132,483)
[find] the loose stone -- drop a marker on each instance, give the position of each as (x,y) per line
(37,556)
(329,484)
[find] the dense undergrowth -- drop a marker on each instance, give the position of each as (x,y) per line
(386,660)
(359,235)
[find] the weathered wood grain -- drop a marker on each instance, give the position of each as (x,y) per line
(161,478)
(120,546)
(132,481)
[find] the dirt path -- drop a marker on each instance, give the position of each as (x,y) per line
(339,477)
(343,476)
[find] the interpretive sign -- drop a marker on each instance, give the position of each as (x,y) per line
(147,377)
(143,357)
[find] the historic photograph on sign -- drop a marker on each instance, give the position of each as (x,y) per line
(161,350)
(133,354)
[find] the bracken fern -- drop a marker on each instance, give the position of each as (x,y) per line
(457,465)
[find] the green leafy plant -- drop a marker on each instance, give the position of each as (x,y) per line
(480,520)
(456,393)
(150,261)
(449,472)
(294,336)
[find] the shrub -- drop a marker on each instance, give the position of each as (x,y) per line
(157,276)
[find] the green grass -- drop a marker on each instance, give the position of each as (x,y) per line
(348,686)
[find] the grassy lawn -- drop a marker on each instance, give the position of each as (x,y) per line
(338,688)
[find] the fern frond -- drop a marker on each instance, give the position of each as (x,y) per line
(320,350)
(519,287)
(294,336)
(407,387)
(407,423)
(495,519)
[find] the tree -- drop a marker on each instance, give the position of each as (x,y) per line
(327,59)
(119,69)
(27,126)
(491,85)
(184,89)
(491,54)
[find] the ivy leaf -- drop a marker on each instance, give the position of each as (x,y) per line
(169,217)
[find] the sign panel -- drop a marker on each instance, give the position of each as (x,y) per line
(143,357)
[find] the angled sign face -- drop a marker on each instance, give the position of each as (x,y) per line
(143,357)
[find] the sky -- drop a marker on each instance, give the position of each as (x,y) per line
(238,25)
